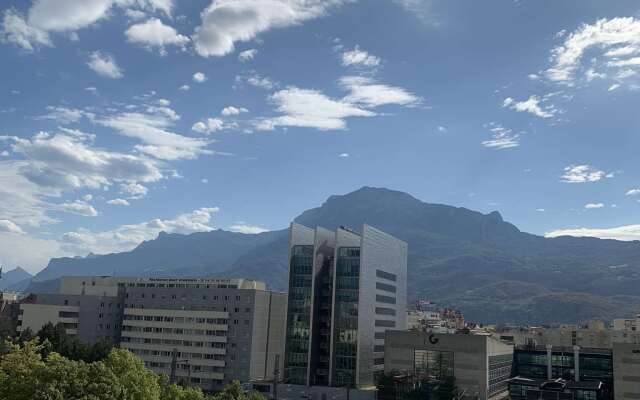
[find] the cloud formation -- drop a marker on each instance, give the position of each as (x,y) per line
(359,58)
(126,237)
(501,137)
(154,34)
(225,22)
(613,46)
(582,174)
(104,65)
(625,232)
(531,105)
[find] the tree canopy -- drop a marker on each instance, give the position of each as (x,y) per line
(35,371)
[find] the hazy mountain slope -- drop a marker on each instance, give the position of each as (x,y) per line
(205,252)
(13,277)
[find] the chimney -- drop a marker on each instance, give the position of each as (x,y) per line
(576,363)
(549,364)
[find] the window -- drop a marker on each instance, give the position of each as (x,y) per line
(386,324)
(386,275)
(385,311)
(385,299)
(385,287)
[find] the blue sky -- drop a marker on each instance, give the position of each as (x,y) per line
(123,118)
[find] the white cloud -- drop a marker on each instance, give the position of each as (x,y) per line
(255,80)
(151,128)
(118,202)
(78,207)
(7,226)
(367,92)
(531,105)
(540,210)
(199,77)
(625,232)
(225,22)
(311,109)
(154,34)
(184,87)
(613,87)
(502,138)
(615,39)
(68,161)
(247,229)
(231,110)
(64,115)
(359,58)
(126,237)
(591,206)
(104,65)
(343,155)
(20,199)
(135,190)
(67,15)
(633,192)
(4,153)
(17,31)
(582,174)
(247,55)
(165,6)
(87,197)
(441,129)
(18,250)
(209,126)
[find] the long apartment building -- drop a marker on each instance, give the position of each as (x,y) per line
(345,290)
(204,331)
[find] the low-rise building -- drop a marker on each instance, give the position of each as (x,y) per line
(480,364)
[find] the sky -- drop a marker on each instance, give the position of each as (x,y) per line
(120,119)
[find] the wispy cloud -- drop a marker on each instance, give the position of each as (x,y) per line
(582,174)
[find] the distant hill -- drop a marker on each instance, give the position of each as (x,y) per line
(16,279)
(458,257)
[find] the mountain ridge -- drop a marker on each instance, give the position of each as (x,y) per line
(454,253)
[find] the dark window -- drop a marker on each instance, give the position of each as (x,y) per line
(386,275)
(378,361)
(385,311)
(386,324)
(385,287)
(378,349)
(385,299)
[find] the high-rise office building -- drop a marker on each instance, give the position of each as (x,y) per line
(345,290)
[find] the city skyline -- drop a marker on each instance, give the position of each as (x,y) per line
(120,118)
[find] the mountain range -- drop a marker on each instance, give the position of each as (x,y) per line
(477,263)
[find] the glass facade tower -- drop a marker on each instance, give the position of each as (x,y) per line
(345,290)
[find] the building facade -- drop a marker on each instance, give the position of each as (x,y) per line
(570,364)
(480,364)
(204,331)
(626,371)
(345,290)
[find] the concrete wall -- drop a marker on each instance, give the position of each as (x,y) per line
(379,251)
(626,371)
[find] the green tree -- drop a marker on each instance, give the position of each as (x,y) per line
(447,389)
(135,381)
(235,391)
